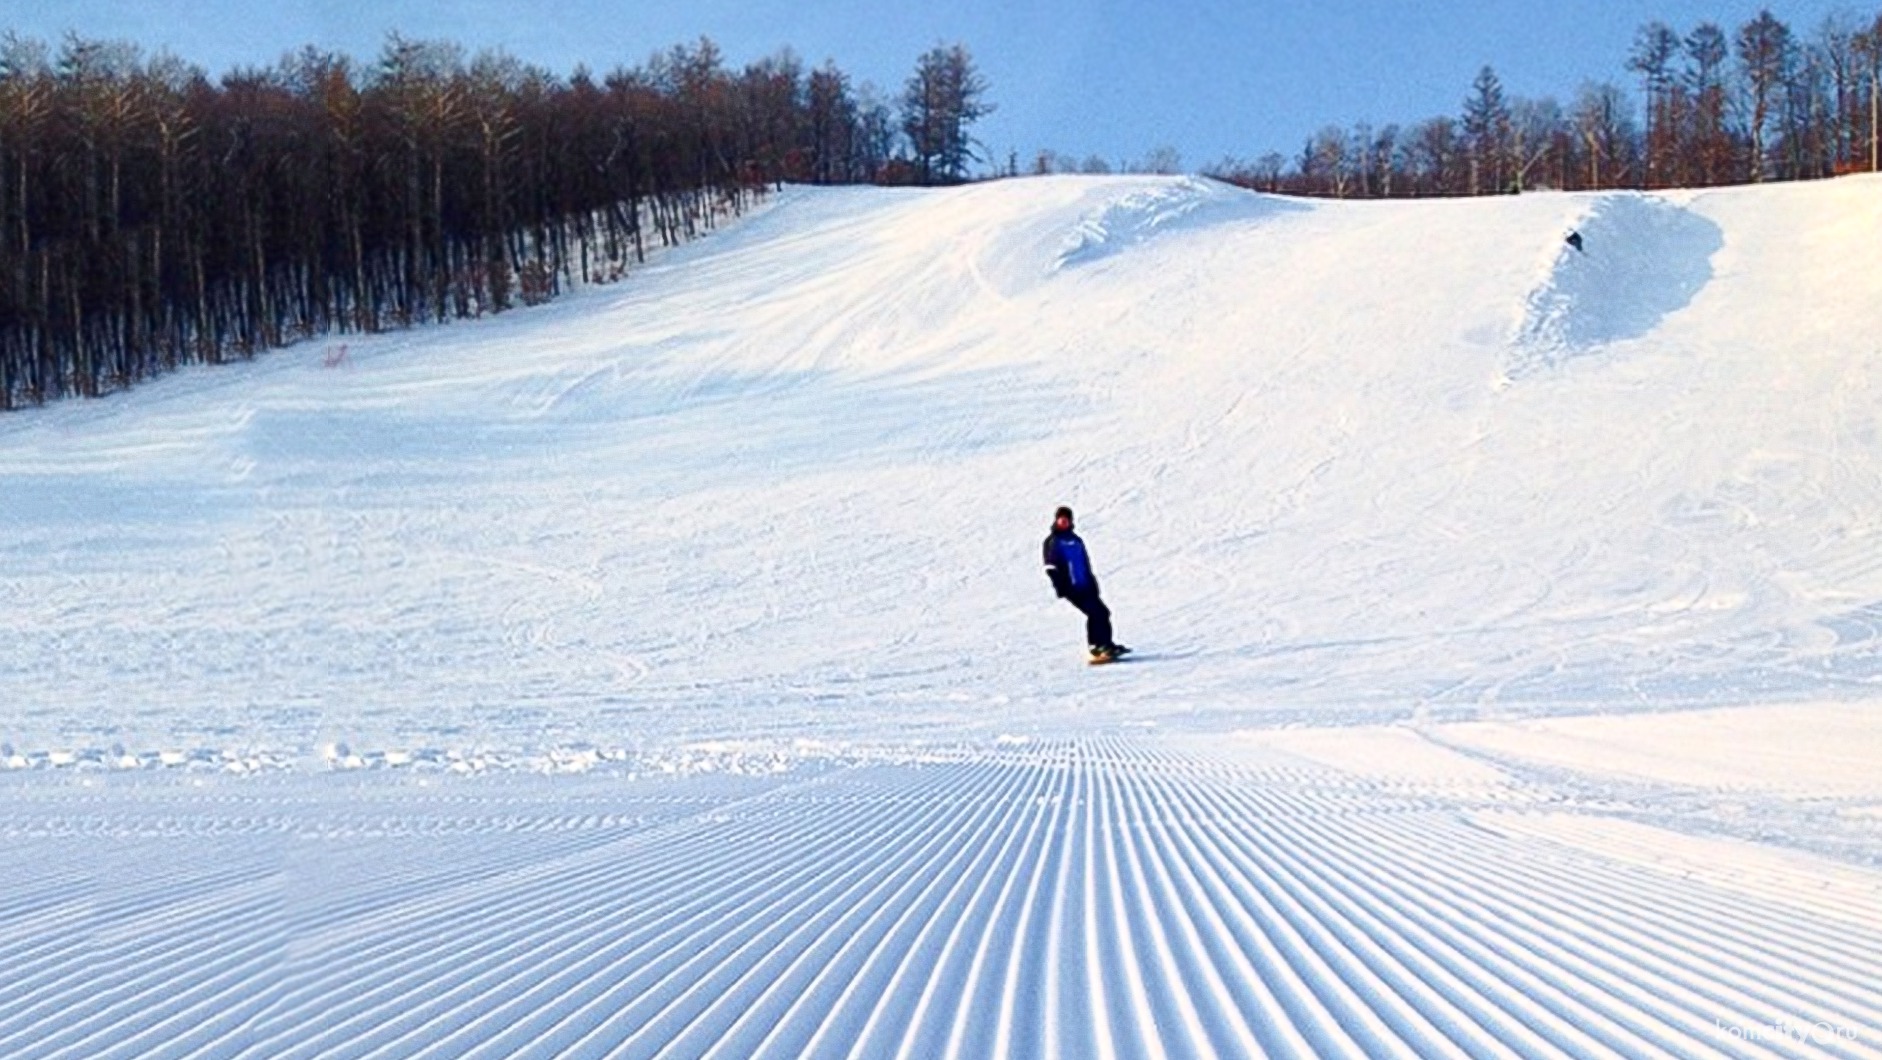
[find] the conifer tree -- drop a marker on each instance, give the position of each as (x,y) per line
(942,100)
(1487,133)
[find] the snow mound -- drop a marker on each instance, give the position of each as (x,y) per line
(1642,259)
(1144,214)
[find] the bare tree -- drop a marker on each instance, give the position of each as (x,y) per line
(831,126)
(1605,130)
(1535,125)
(1324,163)
(1767,53)
(1842,57)
(1655,48)
(150,217)
(1164,160)
(1382,161)
(1434,155)
(1806,138)
(1869,52)
(1711,144)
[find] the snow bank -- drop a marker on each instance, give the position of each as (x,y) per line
(1641,259)
(1183,205)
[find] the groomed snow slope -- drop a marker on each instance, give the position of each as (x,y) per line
(1335,460)
(670,668)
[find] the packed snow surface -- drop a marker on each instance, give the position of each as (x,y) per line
(669,670)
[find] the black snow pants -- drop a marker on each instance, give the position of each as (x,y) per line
(1097,616)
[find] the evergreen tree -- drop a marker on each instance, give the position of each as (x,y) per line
(1487,133)
(943,98)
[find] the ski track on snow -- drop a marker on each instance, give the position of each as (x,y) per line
(1086,898)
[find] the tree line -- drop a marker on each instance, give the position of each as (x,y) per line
(1762,103)
(151,217)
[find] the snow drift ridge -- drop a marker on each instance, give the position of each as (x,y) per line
(1186,204)
(1642,258)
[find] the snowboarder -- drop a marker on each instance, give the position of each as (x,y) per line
(1068,565)
(1574,240)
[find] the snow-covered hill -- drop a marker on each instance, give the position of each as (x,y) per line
(1509,622)
(1336,460)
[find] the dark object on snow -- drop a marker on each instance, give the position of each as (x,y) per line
(1574,240)
(1068,566)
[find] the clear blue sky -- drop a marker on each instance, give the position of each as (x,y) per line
(1107,77)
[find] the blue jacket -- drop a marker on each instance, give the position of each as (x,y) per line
(1068,565)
